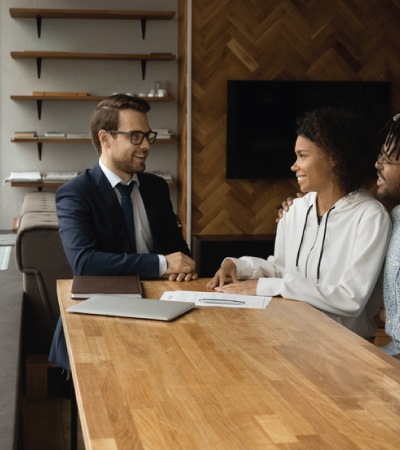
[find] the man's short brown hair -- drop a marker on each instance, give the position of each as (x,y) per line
(106,115)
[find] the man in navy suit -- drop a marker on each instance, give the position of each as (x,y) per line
(91,221)
(93,230)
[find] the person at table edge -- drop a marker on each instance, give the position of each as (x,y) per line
(94,230)
(331,245)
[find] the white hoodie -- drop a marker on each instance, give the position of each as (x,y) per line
(334,265)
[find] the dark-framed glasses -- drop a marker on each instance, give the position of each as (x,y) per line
(137,137)
(383,158)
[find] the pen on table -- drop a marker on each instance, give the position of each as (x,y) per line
(221,301)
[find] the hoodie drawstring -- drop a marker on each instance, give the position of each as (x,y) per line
(302,236)
(323,239)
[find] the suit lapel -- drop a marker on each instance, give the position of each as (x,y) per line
(99,181)
(105,194)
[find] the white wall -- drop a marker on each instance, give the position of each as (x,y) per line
(18,77)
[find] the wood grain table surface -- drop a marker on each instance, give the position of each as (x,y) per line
(286,377)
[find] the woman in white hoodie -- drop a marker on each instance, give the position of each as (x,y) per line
(331,244)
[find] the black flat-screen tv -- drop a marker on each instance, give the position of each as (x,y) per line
(261,119)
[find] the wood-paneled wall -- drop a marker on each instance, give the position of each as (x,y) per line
(273,39)
(182,187)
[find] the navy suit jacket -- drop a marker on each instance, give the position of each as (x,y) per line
(93,231)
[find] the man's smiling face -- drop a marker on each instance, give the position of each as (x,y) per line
(118,152)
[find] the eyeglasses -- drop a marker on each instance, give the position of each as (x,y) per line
(383,159)
(137,137)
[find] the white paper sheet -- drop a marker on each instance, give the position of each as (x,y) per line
(218,299)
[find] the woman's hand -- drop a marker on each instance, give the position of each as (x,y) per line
(248,287)
(227,269)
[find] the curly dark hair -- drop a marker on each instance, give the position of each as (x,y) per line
(391,130)
(346,138)
(106,115)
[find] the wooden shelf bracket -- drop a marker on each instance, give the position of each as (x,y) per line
(39,25)
(143,63)
(39,66)
(39,108)
(143,23)
(39,149)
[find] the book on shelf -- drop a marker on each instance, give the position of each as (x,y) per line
(163,133)
(55,134)
(164,136)
(161,130)
(78,135)
(54,177)
(85,286)
(25,134)
(24,176)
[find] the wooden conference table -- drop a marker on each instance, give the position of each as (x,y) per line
(286,377)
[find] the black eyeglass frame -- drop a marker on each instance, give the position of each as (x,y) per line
(151,135)
(382,155)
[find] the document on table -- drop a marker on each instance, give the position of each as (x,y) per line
(217,299)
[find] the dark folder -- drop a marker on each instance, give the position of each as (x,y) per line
(85,286)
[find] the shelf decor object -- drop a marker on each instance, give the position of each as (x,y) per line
(39,14)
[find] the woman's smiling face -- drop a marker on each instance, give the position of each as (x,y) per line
(313,167)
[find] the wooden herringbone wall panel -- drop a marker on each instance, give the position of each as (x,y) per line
(182,115)
(266,39)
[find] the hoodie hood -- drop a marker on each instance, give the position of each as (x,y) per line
(343,205)
(347,202)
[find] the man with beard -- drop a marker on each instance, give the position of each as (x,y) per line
(93,231)
(114,219)
(388,166)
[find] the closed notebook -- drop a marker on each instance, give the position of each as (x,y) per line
(133,307)
(85,286)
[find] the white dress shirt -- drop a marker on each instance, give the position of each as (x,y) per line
(143,237)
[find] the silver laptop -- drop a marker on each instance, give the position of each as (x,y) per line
(129,306)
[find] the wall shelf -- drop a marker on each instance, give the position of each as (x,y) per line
(36,184)
(80,98)
(39,56)
(51,185)
(39,14)
(143,58)
(49,140)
